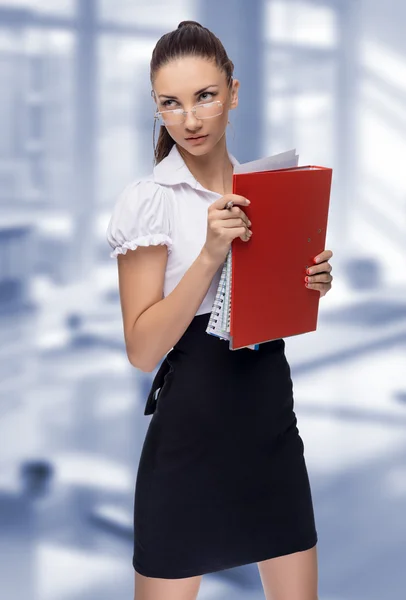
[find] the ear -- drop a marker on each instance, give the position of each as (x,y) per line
(234,94)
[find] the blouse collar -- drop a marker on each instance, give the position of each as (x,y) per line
(172,170)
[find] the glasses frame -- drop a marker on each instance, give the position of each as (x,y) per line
(179,111)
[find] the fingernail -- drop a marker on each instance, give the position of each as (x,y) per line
(248,202)
(249,223)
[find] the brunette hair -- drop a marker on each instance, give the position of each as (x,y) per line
(189,39)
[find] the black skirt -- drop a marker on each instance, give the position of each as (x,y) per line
(222,479)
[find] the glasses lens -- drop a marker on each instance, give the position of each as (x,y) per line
(208,110)
(172,117)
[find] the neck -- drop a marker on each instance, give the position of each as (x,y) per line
(213,170)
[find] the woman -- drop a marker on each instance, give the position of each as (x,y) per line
(222,479)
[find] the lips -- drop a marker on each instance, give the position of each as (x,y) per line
(196,137)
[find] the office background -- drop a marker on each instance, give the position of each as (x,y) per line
(327,77)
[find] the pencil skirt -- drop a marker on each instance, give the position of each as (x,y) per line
(222,479)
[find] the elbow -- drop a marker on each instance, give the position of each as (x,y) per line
(146,367)
(141,354)
(138,352)
(141,362)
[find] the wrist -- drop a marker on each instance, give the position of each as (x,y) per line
(207,261)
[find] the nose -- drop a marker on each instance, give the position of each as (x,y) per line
(191,122)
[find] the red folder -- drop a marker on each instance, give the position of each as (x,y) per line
(289,214)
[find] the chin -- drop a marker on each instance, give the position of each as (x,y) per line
(194,151)
(200,150)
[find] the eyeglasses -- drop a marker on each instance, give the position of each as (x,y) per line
(177,116)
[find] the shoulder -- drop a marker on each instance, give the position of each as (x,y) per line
(142,190)
(142,196)
(142,215)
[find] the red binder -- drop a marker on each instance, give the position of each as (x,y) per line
(289,215)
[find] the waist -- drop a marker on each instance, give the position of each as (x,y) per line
(197,341)
(206,361)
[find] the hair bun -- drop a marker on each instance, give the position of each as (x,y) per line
(189,24)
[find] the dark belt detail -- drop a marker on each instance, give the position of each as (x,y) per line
(156,387)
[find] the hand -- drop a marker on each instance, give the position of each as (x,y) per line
(224,225)
(319,275)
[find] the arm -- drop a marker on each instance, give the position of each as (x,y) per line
(152,324)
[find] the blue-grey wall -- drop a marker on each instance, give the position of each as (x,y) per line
(327,77)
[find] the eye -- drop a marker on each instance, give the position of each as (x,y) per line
(204,96)
(167,104)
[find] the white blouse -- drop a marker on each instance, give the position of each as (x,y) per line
(166,207)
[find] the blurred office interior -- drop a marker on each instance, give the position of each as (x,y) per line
(327,77)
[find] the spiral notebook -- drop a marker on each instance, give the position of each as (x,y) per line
(219,321)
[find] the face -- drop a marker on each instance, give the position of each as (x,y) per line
(189,81)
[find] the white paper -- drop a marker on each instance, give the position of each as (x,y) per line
(284,160)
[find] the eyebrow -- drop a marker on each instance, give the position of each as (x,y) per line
(196,93)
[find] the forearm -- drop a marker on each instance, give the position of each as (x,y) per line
(160,327)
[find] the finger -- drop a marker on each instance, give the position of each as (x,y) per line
(246,236)
(232,214)
(233,223)
(240,232)
(322,278)
(323,288)
(324,267)
(234,198)
(238,212)
(323,256)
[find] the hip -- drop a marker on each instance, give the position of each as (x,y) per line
(207,385)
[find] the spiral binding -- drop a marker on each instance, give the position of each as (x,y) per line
(220,317)
(227,299)
(216,316)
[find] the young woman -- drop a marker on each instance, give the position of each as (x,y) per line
(222,479)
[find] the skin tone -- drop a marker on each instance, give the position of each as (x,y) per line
(208,161)
(191,80)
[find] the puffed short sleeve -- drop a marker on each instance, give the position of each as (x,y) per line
(141,217)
